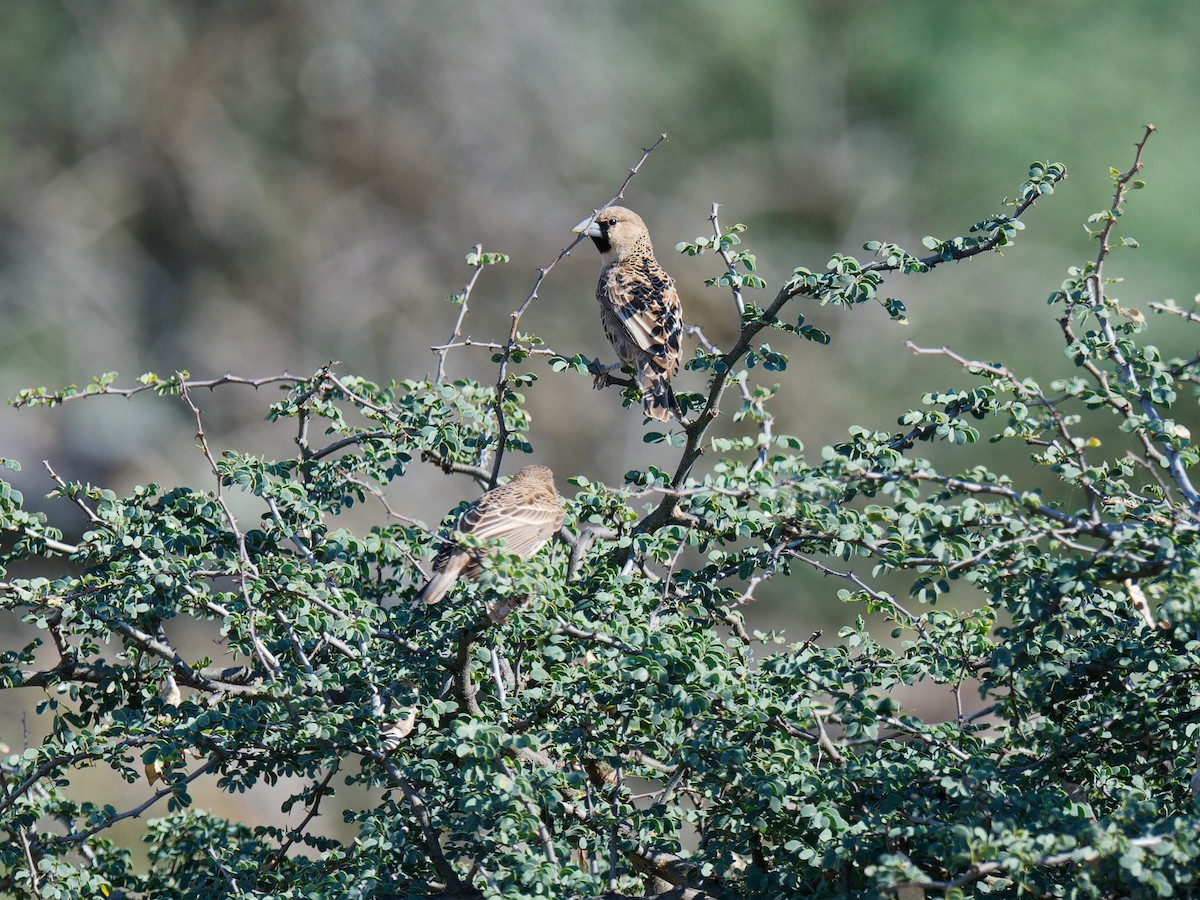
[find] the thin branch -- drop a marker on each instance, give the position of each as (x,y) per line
(1026,501)
(1180,369)
(1066,444)
(464,299)
(224,870)
(183,671)
(982,870)
(825,743)
(392,513)
(351,440)
(544,836)
(432,842)
(51,543)
(481,475)
(363,655)
(172,385)
(730,265)
(1176,311)
(596,637)
(670,867)
(34,885)
(887,600)
(511,344)
(73,496)
(247,569)
(209,765)
(493,345)
(312,812)
(580,545)
(901,725)
(1125,370)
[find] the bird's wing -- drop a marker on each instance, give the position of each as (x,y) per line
(644,298)
(522,521)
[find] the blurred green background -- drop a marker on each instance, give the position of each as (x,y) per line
(253,188)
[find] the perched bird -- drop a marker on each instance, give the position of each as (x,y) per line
(401,709)
(524,513)
(639,306)
(394,733)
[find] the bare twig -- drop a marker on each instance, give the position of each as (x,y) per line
(730,265)
(493,345)
(464,299)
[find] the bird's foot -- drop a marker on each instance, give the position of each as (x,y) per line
(600,376)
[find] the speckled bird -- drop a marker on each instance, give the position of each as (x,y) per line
(639,306)
(525,513)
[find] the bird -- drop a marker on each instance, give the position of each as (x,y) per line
(639,306)
(525,513)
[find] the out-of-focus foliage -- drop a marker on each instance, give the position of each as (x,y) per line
(600,718)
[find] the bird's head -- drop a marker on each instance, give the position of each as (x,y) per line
(536,475)
(616,231)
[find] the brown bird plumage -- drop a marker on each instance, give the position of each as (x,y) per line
(525,513)
(639,306)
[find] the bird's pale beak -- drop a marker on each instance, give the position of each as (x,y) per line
(588,226)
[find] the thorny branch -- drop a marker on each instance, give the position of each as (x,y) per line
(1124,367)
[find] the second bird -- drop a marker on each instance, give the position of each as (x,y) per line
(525,513)
(639,306)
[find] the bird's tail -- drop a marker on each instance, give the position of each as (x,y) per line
(658,397)
(441,582)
